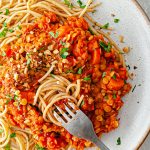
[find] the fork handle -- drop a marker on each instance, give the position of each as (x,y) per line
(100,144)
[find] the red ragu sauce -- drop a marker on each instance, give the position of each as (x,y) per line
(80,55)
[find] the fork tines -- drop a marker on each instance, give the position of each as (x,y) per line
(64,116)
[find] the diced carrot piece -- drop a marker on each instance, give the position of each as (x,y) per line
(96,56)
(63,30)
(28,95)
(115,84)
(92,45)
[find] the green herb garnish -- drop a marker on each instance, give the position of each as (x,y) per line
(1,12)
(79,71)
(19,27)
(104,74)
(7,101)
(119,141)
(18,35)
(82,103)
(53,34)
(7,147)
(5,24)
(62,43)
(3,33)
(116,20)
(89,29)
(11,30)
(3,53)
(1,130)
(12,135)
(28,61)
(7,11)
(69,71)
(64,53)
(87,78)
(106,47)
(38,147)
(68,4)
(106,26)
(114,76)
(114,96)
(80,4)
(15,97)
(8,96)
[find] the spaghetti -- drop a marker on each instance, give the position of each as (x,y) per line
(50,55)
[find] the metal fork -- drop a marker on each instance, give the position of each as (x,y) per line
(78,124)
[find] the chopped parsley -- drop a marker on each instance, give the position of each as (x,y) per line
(18,35)
(91,31)
(3,53)
(119,141)
(12,135)
(116,20)
(125,82)
(42,48)
(38,147)
(105,26)
(114,76)
(114,96)
(8,96)
(64,53)
(68,4)
(82,103)
(1,130)
(79,71)
(7,147)
(104,74)
(7,101)
(7,11)
(19,27)
(54,35)
(62,43)
(28,61)
(3,33)
(80,4)
(69,71)
(87,78)
(11,30)
(5,24)
(15,97)
(106,47)
(133,88)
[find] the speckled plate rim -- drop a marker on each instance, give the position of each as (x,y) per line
(147,19)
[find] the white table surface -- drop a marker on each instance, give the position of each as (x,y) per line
(146,5)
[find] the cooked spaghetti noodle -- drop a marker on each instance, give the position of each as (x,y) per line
(50,55)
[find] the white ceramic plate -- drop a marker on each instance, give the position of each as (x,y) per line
(135,114)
